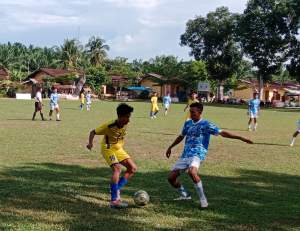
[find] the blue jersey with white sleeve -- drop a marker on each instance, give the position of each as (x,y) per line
(197,136)
(54,99)
(254,105)
(167,100)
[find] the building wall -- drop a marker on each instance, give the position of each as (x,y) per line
(244,93)
(152,85)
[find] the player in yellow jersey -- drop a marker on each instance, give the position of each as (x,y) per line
(113,152)
(192,99)
(154,106)
(82,99)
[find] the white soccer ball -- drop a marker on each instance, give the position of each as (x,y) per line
(141,198)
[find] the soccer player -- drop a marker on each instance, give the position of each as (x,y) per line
(192,99)
(154,106)
(196,132)
(54,104)
(166,102)
(81,97)
(295,134)
(38,104)
(253,112)
(113,152)
(88,98)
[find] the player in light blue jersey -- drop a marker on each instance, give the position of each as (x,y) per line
(253,112)
(196,132)
(88,98)
(166,102)
(295,134)
(54,104)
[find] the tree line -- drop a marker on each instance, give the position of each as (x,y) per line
(262,42)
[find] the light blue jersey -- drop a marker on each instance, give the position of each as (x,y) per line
(167,100)
(197,136)
(254,105)
(88,98)
(54,99)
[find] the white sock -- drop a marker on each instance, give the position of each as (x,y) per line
(249,126)
(182,191)
(200,191)
(57,116)
(293,141)
(255,126)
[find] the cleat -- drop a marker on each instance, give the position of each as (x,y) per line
(183,198)
(117,204)
(203,203)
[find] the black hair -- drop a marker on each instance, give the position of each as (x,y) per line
(124,109)
(197,105)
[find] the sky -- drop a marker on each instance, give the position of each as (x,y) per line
(136,29)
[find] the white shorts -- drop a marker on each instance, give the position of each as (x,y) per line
(166,106)
(253,115)
(54,106)
(88,103)
(185,163)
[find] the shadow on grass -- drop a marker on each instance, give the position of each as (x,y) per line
(254,200)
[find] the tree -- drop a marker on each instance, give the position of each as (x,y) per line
(212,39)
(71,53)
(265,31)
(97,50)
(95,77)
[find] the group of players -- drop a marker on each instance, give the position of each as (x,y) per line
(53,104)
(196,131)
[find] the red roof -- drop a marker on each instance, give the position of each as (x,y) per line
(55,72)
(3,72)
(118,78)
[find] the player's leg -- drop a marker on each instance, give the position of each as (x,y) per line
(193,173)
(255,122)
(57,113)
(250,123)
(41,112)
(173,180)
(50,114)
(294,137)
(35,111)
(131,169)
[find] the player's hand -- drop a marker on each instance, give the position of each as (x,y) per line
(247,141)
(89,146)
(168,153)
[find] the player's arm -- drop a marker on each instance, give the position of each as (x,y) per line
(186,107)
(233,136)
(91,139)
(177,141)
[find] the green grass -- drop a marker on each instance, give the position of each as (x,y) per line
(49,181)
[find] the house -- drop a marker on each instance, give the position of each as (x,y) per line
(66,81)
(162,86)
(4,74)
(273,91)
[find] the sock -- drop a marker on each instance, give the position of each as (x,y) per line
(155,113)
(114,191)
(200,191)
(293,141)
(122,182)
(57,116)
(249,126)
(182,191)
(255,126)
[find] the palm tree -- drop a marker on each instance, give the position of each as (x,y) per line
(97,50)
(71,52)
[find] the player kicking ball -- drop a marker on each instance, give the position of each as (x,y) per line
(253,111)
(196,132)
(54,104)
(295,134)
(114,154)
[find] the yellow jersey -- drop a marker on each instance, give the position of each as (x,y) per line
(82,98)
(191,101)
(154,99)
(113,134)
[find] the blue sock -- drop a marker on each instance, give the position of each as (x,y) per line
(114,191)
(122,182)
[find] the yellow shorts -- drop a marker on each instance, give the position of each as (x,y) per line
(154,108)
(114,156)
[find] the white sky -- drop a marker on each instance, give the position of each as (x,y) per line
(132,28)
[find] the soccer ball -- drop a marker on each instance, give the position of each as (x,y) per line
(141,198)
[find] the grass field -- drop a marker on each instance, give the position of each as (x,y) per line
(49,181)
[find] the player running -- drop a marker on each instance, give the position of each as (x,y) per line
(38,104)
(295,134)
(154,106)
(196,132)
(81,98)
(166,102)
(113,152)
(192,99)
(54,104)
(253,112)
